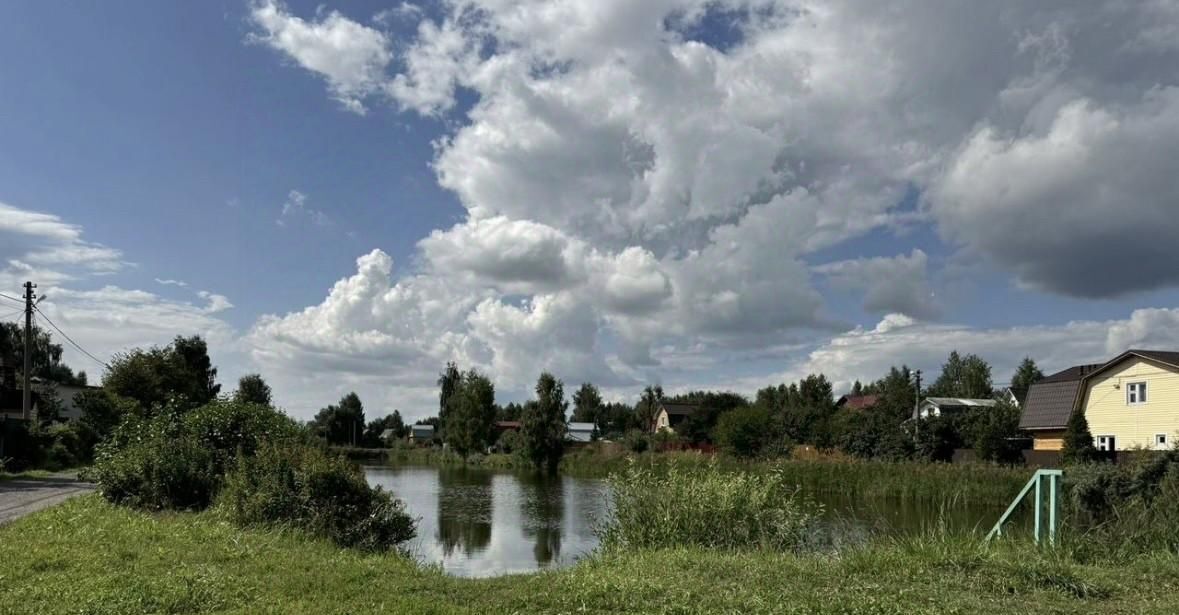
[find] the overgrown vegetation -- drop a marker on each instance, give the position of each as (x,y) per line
(702,506)
(304,488)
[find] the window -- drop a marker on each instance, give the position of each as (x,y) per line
(1105,443)
(1136,393)
(1160,440)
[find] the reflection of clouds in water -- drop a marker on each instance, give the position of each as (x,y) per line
(480,523)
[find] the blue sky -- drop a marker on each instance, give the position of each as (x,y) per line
(721,194)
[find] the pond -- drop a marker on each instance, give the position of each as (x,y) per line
(478,523)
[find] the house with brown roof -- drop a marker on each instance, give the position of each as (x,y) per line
(1049,405)
(1130,401)
(671,415)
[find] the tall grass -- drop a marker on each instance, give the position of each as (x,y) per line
(705,507)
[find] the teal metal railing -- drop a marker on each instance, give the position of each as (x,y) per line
(1053,478)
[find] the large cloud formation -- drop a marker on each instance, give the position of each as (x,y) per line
(648,181)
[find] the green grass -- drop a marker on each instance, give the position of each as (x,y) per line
(25,474)
(88,556)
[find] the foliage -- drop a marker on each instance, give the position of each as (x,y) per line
(705,507)
(936,437)
(341,423)
(376,427)
(648,407)
(304,488)
(543,424)
(1125,510)
(587,405)
(1078,441)
(252,389)
(469,424)
(698,427)
(449,382)
(46,356)
(177,459)
(996,435)
(1027,374)
(968,377)
(510,442)
(180,374)
(748,432)
(616,419)
(636,441)
(874,433)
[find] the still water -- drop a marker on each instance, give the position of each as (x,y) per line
(479,523)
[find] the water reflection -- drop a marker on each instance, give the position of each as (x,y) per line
(543,511)
(480,523)
(465,509)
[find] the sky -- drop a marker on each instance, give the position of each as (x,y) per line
(719,194)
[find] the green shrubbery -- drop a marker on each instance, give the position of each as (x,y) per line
(1125,510)
(255,457)
(303,487)
(704,506)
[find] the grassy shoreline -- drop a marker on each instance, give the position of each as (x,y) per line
(88,556)
(868,479)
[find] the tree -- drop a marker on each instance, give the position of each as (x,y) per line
(747,432)
(342,423)
(1027,374)
(252,389)
(997,436)
(698,427)
(469,424)
(46,356)
(543,424)
(587,405)
(1078,441)
(968,377)
(377,427)
(648,407)
(448,383)
(180,373)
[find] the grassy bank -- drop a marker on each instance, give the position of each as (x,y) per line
(90,557)
(866,479)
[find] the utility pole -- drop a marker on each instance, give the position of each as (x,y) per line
(917,403)
(27,396)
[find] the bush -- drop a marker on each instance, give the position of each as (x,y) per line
(305,488)
(636,441)
(176,459)
(158,473)
(705,507)
(748,432)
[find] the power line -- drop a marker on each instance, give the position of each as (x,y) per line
(7,316)
(69,339)
(10,298)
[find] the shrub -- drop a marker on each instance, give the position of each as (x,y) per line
(636,441)
(158,473)
(748,432)
(177,459)
(305,488)
(705,507)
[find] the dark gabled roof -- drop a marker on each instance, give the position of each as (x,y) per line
(1049,404)
(1071,374)
(857,402)
(1170,359)
(679,409)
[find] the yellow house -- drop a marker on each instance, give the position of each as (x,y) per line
(1129,402)
(1133,401)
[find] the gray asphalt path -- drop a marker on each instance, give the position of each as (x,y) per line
(19,497)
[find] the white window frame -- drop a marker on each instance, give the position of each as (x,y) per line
(1138,390)
(1161,441)
(1106,443)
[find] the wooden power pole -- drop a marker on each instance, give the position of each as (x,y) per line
(27,392)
